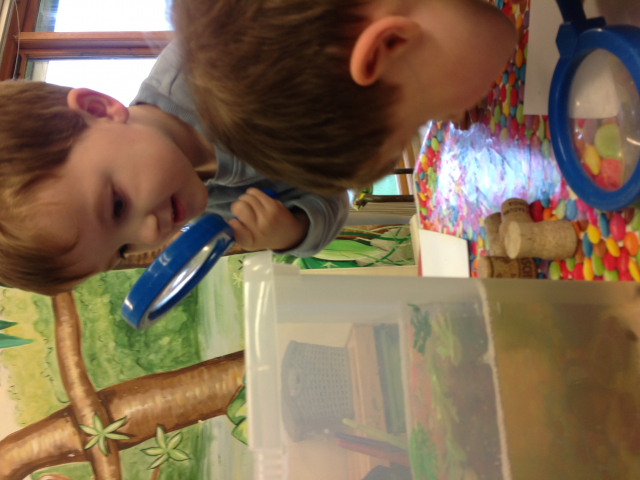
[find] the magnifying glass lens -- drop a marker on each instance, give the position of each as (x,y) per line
(604,116)
(181,279)
(203,259)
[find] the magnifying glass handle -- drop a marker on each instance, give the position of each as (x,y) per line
(571,10)
(270,193)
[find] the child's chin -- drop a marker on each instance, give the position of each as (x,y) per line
(203,199)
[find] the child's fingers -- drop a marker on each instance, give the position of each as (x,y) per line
(258,201)
(241,233)
(259,194)
(245,210)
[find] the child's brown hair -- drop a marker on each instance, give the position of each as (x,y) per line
(258,67)
(37,129)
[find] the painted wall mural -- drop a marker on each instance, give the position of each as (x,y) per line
(84,396)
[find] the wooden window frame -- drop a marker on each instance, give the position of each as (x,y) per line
(70,45)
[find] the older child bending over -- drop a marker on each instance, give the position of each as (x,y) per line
(325,94)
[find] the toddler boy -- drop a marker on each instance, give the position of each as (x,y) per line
(325,94)
(85,180)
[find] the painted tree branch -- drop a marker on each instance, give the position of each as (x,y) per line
(173,399)
(82,396)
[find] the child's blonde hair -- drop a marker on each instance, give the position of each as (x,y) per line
(271,82)
(37,129)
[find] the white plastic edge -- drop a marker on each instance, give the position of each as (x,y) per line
(491,361)
(261,363)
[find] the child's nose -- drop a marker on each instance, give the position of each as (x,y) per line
(148,232)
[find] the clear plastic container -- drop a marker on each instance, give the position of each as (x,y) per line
(460,379)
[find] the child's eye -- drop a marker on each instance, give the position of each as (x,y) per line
(118,206)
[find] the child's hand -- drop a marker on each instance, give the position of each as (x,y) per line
(265,223)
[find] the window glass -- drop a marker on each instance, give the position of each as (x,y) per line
(386,186)
(103,15)
(117,77)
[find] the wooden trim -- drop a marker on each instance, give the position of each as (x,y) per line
(94,41)
(87,53)
(10,48)
(31,15)
(401,180)
(408,161)
(43,45)
(22,66)
(8,61)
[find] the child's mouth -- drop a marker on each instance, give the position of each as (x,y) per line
(179,211)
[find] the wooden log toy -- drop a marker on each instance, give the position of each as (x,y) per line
(503,267)
(550,240)
(514,210)
(492,234)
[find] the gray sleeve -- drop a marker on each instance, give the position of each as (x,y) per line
(327,214)
(166,87)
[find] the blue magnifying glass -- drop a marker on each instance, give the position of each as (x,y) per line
(178,269)
(594,108)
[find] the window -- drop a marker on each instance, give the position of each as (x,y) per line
(102,16)
(106,45)
(117,77)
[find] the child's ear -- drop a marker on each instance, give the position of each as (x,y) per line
(378,45)
(92,105)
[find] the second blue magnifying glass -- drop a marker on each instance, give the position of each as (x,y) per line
(594,108)
(178,269)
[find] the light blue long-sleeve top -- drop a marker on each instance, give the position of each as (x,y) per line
(166,88)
